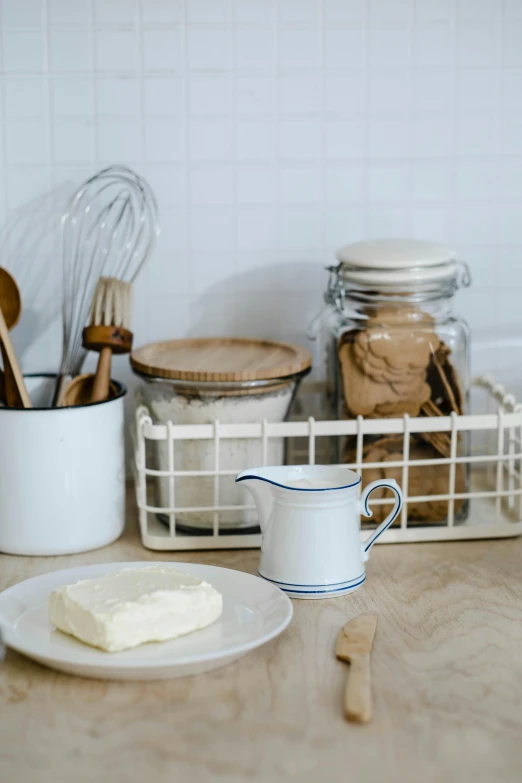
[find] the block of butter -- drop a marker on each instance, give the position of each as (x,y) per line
(134,606)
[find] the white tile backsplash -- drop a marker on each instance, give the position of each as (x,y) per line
(300,229)
(390,45)
(208,50)
(433,44)
(389,138)
(390,90)
(70,50)
(24,183)
(72,96)
(254,49)
(71,12)
(344,139)
(247,12)
(441,10)
(344,10)
(162,50)
(114,12)
(119,97)
(255,139)
(300,185)
(346,94)
(478,44)
(272,131)
(434,89)
(344,182)
(160,12)
(162,96)
(256,184)
(212,185)
(512,49)
(119,140)
(73,142)
(301,96)
(299,48)
(299,12)
(511,132)
(28,13)
(212,228)
(300,139)
(115,50)
(344,48)
(26,142)
(253,95)
(257,228)
(341,222)
(24,97)
(210,140)
(479,89)
(432,181)
(209,94)
(208,11)
(163,140)
(477,133)
(22,51)
(388,182)
(433,136)
(510,174)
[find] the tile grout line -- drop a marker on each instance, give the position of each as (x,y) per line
(323,162)
(48,95)
(232,81)
(140,75)
(94,82)
(188,252)
(365,157)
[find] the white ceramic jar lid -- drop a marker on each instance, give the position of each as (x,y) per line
(396,262)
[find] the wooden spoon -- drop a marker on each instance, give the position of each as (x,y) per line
(10,308)
(79,390)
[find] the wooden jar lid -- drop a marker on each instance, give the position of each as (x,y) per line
(220,359)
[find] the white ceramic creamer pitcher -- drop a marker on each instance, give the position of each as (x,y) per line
(310,521)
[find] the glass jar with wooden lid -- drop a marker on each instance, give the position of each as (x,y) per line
(230,380)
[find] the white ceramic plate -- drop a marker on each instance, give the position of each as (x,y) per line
(254,611)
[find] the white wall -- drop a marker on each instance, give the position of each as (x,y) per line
(272,132)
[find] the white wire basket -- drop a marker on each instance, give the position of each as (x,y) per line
(493,496)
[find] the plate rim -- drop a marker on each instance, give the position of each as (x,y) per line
(8,629)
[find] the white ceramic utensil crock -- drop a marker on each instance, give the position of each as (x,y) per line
(310,521)
(62,474)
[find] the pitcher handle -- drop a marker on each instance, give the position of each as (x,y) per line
(365,511)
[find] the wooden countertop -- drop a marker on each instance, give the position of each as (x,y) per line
(447,673)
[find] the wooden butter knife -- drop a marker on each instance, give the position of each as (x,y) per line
(353,645)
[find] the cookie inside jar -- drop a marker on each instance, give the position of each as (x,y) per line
(399,349)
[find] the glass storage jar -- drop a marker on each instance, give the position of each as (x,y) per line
(394,346)
(203,380)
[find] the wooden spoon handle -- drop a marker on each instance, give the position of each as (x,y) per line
(11,367)
(358,694)
(11,396)
(100,389)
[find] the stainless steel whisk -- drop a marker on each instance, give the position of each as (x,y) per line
(108,230)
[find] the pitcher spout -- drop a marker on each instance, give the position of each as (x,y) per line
(261,491)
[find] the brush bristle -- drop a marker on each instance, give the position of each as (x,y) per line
(111,303)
